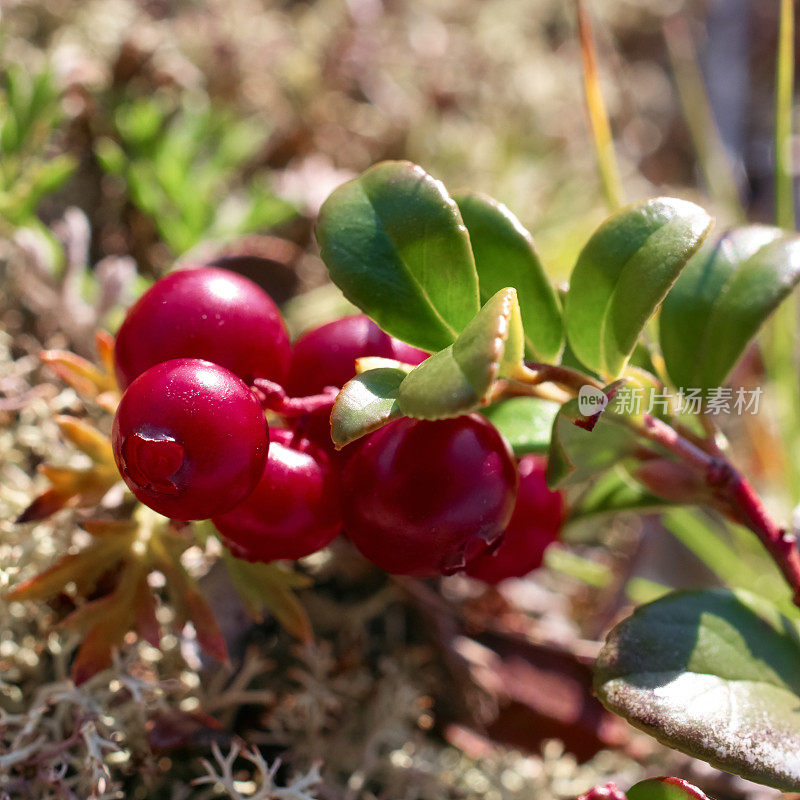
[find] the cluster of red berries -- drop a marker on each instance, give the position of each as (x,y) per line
(191,441)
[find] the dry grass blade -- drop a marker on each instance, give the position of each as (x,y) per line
(598,116)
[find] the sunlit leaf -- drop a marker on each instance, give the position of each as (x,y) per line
(459,378)
(727,291)
(714,674)
(366,403)
(505,256)
(622,275)
(395,244)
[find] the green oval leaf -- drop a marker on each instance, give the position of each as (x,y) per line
(459,378)
(665,789)
(722,298)
(505,256)
(366,403)
(526,422)
(395,244)
(713,674)
(623,273)
(577,454)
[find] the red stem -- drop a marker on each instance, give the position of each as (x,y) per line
(273,397)
(729,485)
(563,376)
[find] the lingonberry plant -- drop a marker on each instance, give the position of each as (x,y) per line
(525,395)
(459,276)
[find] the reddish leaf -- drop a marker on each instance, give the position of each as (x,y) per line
(83,376)
(191,606)
(104,344)
(87,439)
(201,616)
(171,730)
(84,569)
(70,487)
(100,528)
(144,604)
(95,653)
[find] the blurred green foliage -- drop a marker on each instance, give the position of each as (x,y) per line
(183,169)
(29,117)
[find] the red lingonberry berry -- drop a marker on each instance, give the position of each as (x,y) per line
(190,438)
(535,524)
(419,498)
(326,356)
(207,313)
(294,510)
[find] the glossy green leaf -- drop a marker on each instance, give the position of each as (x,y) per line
(577,454)
(665,789)
(395,244)
(459,378)
(714,674)
(622,275)
(723,296)
(526,422)
(366,403)
(505,256)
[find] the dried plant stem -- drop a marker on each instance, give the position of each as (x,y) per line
(598,116)
(784,79)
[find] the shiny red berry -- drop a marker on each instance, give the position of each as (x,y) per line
(535,524)
(294,510)
(419,498)
(190,438)
(326,356)
(207,313)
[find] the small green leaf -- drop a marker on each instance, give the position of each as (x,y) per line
(50,177)
(140,123)
(577,454)
(623,273)
(526,422)
(665,789)
(395,244)
(111,156)
(459,378)
(505,256)
(366,403)
(715,675)
(722,298)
